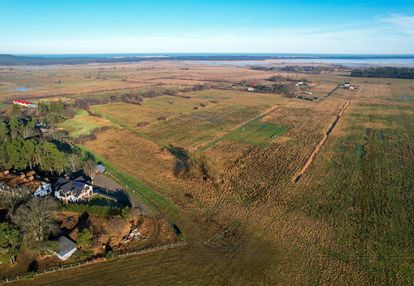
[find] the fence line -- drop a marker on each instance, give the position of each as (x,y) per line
(95,261)
(116,256)
(135,191)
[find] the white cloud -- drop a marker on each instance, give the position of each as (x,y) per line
(391,34)
(400,22)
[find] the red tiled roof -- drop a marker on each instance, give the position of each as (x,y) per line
(20,101)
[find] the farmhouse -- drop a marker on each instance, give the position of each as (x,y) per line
(73,191)
(305,83)
(24,103)
(347,85)
(65,248)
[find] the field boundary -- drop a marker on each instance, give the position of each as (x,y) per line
(220,136)
(333,90)
(135,187)
(308,162)
(96,261)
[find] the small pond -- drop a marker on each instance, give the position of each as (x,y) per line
(22,89)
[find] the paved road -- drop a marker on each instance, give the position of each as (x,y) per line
(107,183)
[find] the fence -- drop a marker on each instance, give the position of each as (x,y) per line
(332,91)
(87,262)
(128,188)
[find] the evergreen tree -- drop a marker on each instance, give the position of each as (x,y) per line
(9,239)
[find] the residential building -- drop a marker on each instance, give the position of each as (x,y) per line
(43,190)
(74,191)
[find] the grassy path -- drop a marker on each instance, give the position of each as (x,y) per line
(135,188)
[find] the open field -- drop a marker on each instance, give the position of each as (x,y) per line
(150,111)
(256,132)
(347,221)
(83,124)
(187,122)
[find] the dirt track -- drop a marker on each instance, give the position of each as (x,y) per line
(299,174)
(222,134)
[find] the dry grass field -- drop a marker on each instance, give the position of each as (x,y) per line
(347,221)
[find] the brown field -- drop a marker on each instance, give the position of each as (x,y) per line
(347,221)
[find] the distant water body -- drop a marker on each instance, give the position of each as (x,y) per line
(22,89)
(258,58)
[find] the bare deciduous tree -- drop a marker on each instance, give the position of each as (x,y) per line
(34,218)
(89,167)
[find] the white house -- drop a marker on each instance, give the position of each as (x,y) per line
(250,89)
(73,191)
(43,190)
(65,248)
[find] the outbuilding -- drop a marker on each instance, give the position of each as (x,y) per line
(43,190)
(65,248)
(100,169)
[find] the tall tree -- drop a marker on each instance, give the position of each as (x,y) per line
(35,218)
(9,240)
(15,127)
(4,132)
(89,167)
(51,158)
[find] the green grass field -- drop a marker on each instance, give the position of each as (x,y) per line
(83,124)
(189,121)
(256,132)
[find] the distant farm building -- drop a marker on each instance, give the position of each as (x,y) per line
(24,103)
(304,83)
(347,85)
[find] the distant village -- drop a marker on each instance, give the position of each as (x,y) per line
(300,89)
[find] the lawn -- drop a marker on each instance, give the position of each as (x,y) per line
(83,124)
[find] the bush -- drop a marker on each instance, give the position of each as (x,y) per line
(92,209)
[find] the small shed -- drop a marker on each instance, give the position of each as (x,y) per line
(100,169)
(65,248)
(43,190)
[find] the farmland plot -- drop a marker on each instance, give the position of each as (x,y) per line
(347,221)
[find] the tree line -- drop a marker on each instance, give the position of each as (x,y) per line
(385,72)
(22,147)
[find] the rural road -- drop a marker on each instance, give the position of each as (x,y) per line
(299,174)
(222,134)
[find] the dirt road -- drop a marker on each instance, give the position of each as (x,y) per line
(299,174)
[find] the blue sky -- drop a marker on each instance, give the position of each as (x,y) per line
(122,26)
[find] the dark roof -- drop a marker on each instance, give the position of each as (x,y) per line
(65,245)
(68,187)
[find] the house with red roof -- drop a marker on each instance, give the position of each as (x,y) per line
(24,103)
